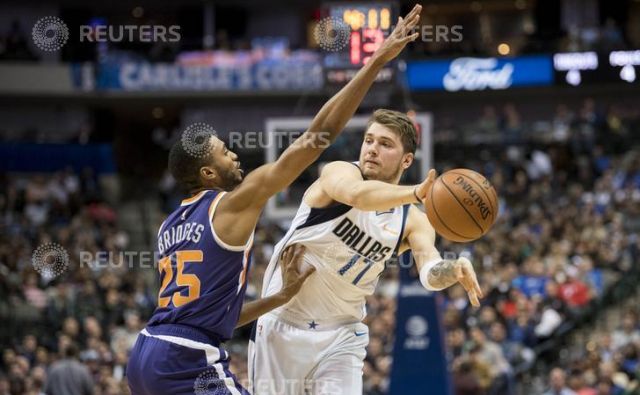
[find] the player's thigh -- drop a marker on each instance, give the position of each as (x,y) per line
(280,356)
(339,372)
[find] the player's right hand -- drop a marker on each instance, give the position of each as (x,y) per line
(401,35)
(422,190)
(293,276)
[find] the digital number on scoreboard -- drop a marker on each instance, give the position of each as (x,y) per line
(369,24)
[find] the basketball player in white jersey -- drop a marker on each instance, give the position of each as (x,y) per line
(351,220)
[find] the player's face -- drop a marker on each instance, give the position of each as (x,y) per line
(227,167)
(382,156)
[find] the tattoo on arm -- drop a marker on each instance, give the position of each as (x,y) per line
(442,275)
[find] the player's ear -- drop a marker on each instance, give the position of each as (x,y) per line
(407,160)
(208,173)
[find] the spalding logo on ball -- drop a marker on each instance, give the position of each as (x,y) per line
(462,205)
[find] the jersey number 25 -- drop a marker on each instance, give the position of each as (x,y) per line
(190,281)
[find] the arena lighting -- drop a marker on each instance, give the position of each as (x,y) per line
(504,49)
(573,63)
(626,59)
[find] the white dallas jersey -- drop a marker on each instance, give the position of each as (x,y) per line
(349,248)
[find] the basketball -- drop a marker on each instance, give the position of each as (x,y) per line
(462,205)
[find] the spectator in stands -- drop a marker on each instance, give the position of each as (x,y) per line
(490,354)
(627,333)
(557,385)
(465,379)
(68,376)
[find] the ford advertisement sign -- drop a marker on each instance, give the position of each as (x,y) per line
(475,74)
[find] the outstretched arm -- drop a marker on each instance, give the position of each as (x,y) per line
(292,282)
(343,182)
(251,195)
(436,273)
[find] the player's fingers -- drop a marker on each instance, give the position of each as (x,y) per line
(413,21)
(473,280)
(286,255)
(298,252)
(414,11)
(431,178)
(432,175)
(459,273)
(477,287)
(469,279)
(473,298)
(309,271)
(412,37)
(461,278)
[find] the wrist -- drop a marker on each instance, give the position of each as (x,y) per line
(284,295)
(415,195)
(376,61)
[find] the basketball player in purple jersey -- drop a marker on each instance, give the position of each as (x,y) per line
(205,246)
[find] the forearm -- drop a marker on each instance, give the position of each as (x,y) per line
(325,127)
(252,310)
(376,195)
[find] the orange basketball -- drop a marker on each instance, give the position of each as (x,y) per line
(462,205)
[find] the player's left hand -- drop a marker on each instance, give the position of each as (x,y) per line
(292,275)
(403,33)
(466,276)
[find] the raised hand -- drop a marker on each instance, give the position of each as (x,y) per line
(401,35)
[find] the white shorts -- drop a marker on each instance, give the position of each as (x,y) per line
(285,359)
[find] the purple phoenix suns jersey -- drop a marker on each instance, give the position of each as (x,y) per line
(202,279)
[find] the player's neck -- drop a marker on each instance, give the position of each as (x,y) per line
(196,191)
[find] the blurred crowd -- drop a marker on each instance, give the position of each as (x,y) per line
(607,363)
(87,318)
(566,233)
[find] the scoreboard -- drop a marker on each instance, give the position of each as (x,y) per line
(369,24)
(587,68)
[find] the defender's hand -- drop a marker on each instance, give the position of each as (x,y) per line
(401,35)
(423,189)
(292,277)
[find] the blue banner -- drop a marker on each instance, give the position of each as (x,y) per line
(27,157)
(210,72)
(419,359)
(473,74)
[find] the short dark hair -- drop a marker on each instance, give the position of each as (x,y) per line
(71,351)
(184,166)
(400,124)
